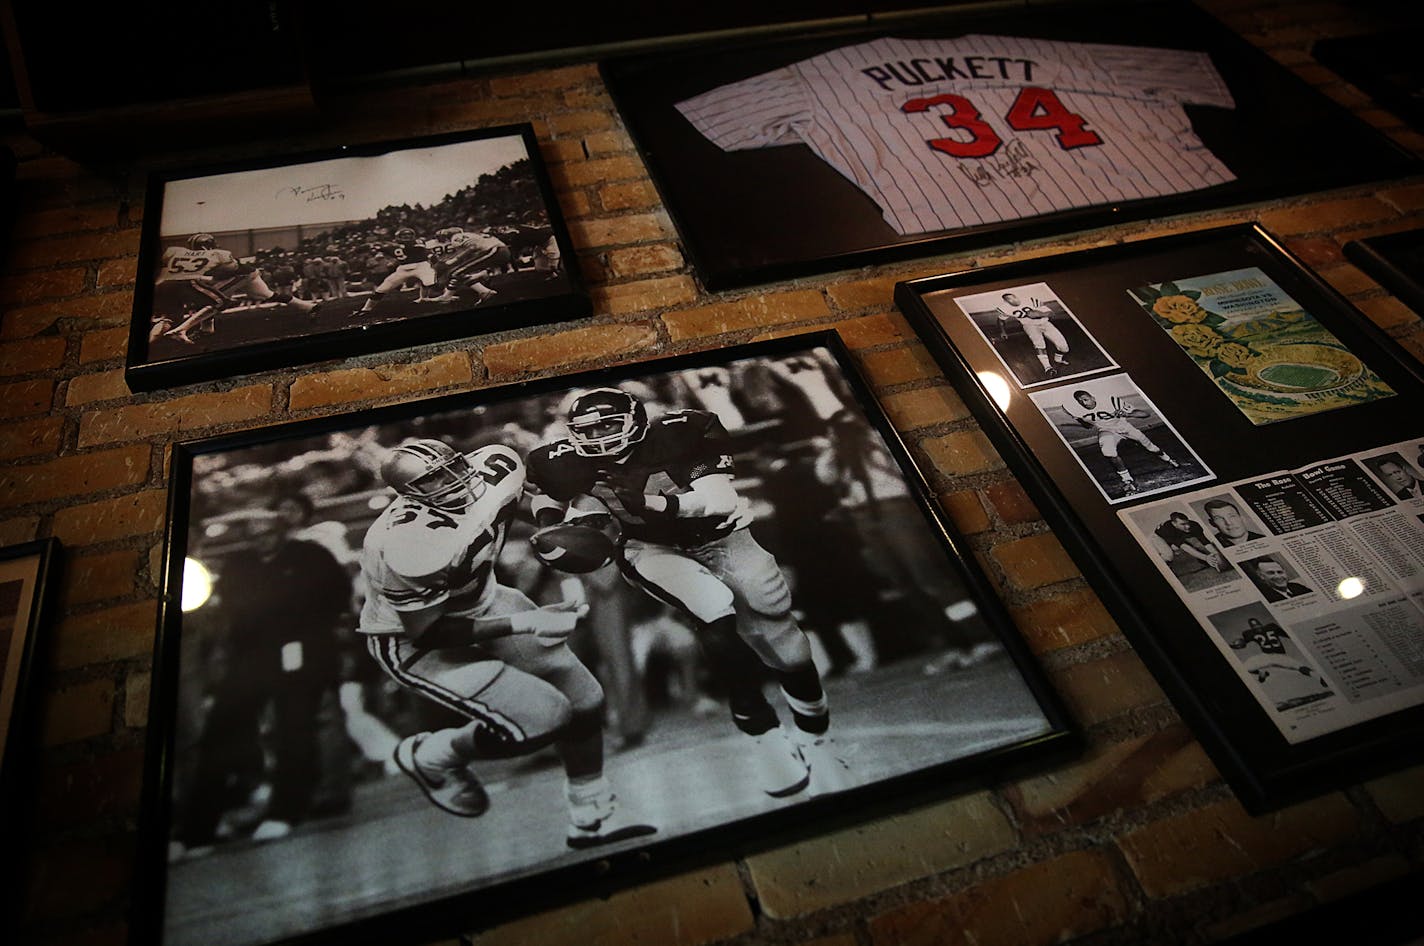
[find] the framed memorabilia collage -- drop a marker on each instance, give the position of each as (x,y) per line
(781,158)
(361,249)
(1235,458)
(467,690)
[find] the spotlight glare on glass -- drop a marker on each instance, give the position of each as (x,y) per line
(1351,588)
(197,584)
(997,387)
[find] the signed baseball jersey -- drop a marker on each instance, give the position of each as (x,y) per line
(953,133)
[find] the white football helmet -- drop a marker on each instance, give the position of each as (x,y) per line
(433,473)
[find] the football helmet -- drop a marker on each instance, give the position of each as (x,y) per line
(605,422)
(202,241)
(434,473)
(405,235)
(447,234)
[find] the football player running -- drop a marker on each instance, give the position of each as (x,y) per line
(465,259)
(413,265)
(439,622)
(686,543)
(197,281)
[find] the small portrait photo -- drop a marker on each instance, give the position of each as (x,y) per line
(1036,337)
(1230,521)
(1182,543)
(1120,438)
(1276,577)
(1400,477)
(1271,659)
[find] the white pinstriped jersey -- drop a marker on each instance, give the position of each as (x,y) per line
(946,134)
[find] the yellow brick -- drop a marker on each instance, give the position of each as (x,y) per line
(1204,846)
(99,386)
(1044,903)
(966,511)
(23,398)
(616,231)
(29,438)
(1325,216)
(924,407)
(566,348)
(1102,689)
(360,384)
(89,578)
(72,249)
(628,195)
(118,633)
(898,365)
(108,308)
(1034,562)
(643,295)
(745,313)
(641,260)
(842,866)
(688,910)
(104,521)
(34,287)
(962,452)
(78,712)
(31,356)
(1074,617)
(74,475)
(103,345)
(194,412)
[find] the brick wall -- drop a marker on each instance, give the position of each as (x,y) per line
(1138,841)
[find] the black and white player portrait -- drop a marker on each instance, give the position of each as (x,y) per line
(1275,667)
(1036,337)
(1277,577)
(1185,547)
(1397,474)
(434,653)
(440,230)
(1231,521)
(1119,438)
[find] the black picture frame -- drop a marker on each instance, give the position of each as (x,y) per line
(220,488)
(1264,768)
(1395,261)
(29,583)
(490,183)
(772,213)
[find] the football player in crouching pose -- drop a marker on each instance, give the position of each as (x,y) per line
(686,543)
(439,623)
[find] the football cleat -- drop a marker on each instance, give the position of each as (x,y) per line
(781,769)
(454,789)
(600,822)
(1128,487)
(830,772)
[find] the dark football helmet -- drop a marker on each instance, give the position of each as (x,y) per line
(202,241)
(434,473)
(605,422)
(405,235)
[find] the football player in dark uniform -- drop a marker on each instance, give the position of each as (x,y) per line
(412,265)
(685,541)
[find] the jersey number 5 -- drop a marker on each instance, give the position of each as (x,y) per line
(1035,109)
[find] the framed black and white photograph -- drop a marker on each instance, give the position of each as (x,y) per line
(1254,455)
(778,156)
(1035,336)
(506,648)
(1395,261)
(28,582)
(360,249)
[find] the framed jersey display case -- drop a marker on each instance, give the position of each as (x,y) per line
(1234,457)
(782,157)
(473,655)
(302,258)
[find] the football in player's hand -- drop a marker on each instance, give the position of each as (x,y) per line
(571,547)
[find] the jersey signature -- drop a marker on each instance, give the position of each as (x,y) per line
(1013,163)
(314,192)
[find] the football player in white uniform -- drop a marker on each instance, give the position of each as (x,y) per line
(439,622)
(197,281)
(464,260)
(1037,323)
(686,543)
(1112,427)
